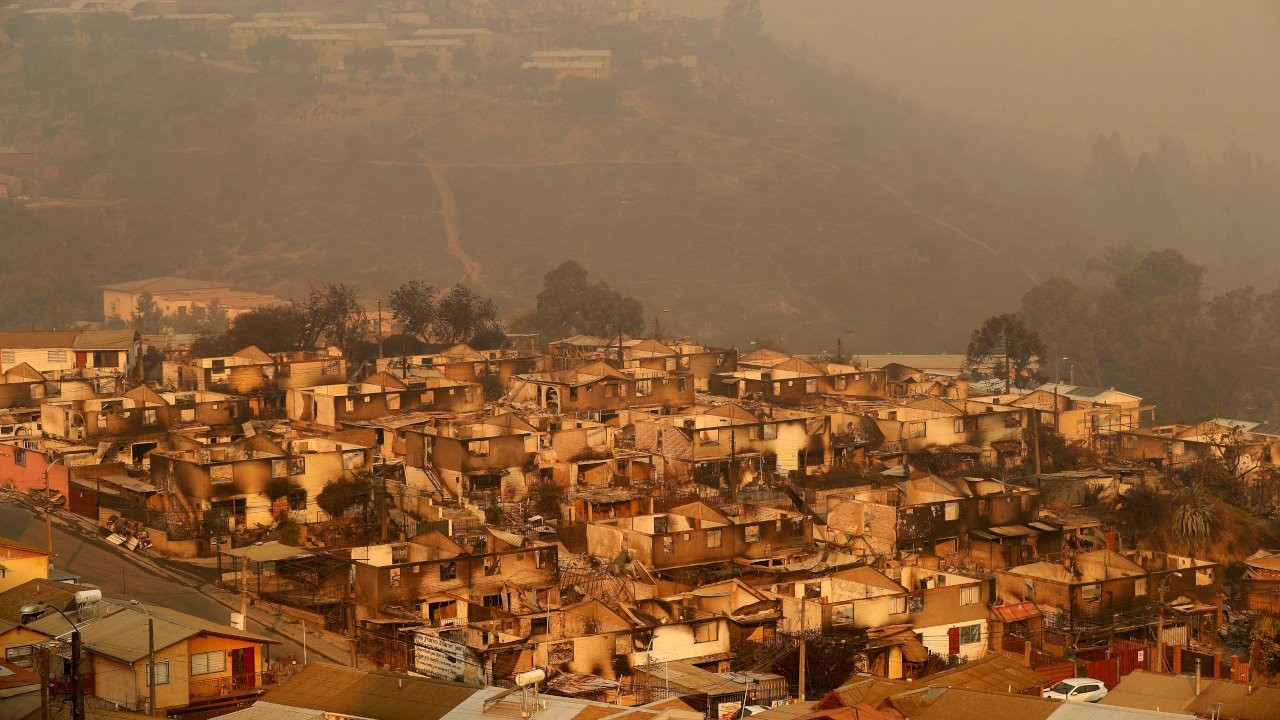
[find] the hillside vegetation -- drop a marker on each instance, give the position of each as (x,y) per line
(760,195)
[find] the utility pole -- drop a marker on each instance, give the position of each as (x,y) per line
(804,641)
(733,464)
(151,666)
(46,697)
(77,686)
(379,328)
(383,512)
(1035,437)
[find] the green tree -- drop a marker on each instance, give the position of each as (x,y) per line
(569,304)
(1140,511)
(1194,517)
(422,65)
(1154,333)
(461,314)
(147,316)
(338,497)
(413,305)
(332,313)
(1063,315)
(1005,349)
(379,58)
(279,54)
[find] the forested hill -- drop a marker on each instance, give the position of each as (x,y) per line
(759,194)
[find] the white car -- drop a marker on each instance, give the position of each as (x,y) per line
(1077,690)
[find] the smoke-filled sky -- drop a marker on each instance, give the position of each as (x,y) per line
(1200,70)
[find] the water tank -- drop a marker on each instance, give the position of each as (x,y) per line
(530,677)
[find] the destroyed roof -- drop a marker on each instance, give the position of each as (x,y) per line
(461,352)
(253,352)
(651,348)
(903,636)
(693,680)
(164,283)
(571,684)
(935,405)
(22,372)
(798,366)
(734,412)
(763,357)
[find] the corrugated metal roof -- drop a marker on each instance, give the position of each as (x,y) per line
(1148,691)
(105,340)
(1015,612)
(263,710)
(995,673)
(116,629)
(1091,711)
(370,694)
(38,339)
(956,703)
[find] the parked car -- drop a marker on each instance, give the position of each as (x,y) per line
(1077,690)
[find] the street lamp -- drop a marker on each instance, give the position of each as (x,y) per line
(48,510)
(77,696)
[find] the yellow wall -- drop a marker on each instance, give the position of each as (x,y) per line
(118,682)
(19,636)
(21,566)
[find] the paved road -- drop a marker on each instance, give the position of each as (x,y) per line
(98,564)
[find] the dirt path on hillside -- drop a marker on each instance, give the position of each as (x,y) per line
(449,212)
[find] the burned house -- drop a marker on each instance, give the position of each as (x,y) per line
(256,481)
(697,534)
(947,610)
(140,420)
(1086,415)
(431,578)
(261,377)
(463,363)
(496,454)
(336,406)
(599,391)
(730,445)
(1099,593)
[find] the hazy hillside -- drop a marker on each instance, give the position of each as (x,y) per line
(777,200)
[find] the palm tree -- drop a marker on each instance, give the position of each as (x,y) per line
(1194,517)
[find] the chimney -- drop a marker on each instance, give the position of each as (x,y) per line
(1197,677)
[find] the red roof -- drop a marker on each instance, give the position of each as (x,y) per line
(1016,612)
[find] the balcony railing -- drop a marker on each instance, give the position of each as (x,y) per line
(231,685)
